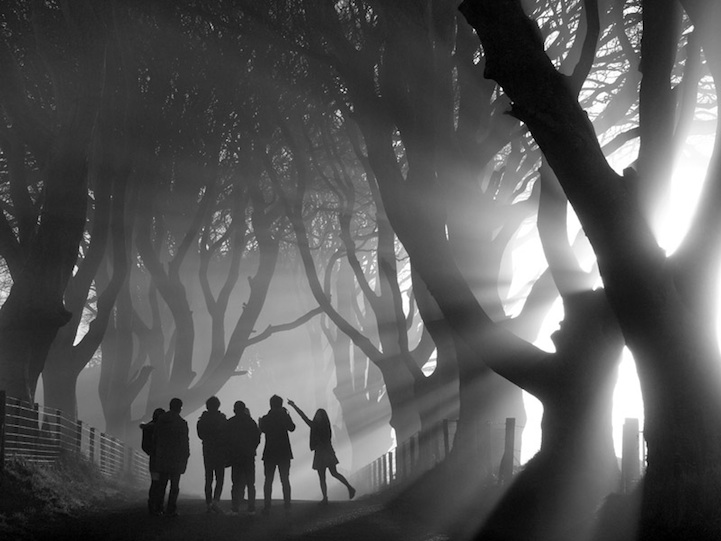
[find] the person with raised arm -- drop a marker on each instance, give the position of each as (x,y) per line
(324,457)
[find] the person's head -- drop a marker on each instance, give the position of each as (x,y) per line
(239,407)
(213,403)
(176,404)
(157,413)
(322,416)
(276,402)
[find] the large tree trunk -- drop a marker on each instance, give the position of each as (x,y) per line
(364,415)
(677,358)
(60,381)
(34,309)
(558,493)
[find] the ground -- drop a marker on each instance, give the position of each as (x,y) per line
(348,521)
(71,501)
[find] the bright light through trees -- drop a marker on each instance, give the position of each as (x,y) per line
(672,224)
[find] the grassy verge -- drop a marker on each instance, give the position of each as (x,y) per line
(36,494)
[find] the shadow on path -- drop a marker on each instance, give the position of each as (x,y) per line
(363,519)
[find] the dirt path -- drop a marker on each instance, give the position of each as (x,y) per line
(347,521)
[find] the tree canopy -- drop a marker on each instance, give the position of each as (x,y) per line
(396,159)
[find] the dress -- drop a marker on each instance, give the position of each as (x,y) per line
(324,456)
(320,444)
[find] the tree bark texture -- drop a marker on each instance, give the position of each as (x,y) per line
(678,365)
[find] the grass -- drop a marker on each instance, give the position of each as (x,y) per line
(36,494)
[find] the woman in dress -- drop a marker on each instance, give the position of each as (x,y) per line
(324,456)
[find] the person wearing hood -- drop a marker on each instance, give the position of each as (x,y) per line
(212,432)
(276,424)
(172,449)
(148,445)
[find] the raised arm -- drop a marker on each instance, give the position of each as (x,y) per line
(300,412)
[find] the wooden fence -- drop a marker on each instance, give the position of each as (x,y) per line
(404,463)
(38,434)
(500,454)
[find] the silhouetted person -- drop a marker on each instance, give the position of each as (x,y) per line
(324,457)
(172,449)
(277,453)
(243,440)
(148,445)
(211,431)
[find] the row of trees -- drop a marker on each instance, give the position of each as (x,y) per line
(154,152)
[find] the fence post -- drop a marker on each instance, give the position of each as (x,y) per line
(378,479)
(630,470)
(384,465)
(446,439)
(372,473)
(2,435)
(78,436)
(506,471)
(411,456)
(392,465)
(401,462)
(92,445)
(129,457)
(101,451)
(37,431)
(59,425)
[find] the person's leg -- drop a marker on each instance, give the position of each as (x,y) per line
(334,472)
(249,468)
(284,472)
(160,492)
(236,473)
(323,485)
(173,494)
(208,480)
(151,494)
(155,497)
(219,471)
(269,468)
(157,494)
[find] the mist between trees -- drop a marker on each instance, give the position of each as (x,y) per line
(363,206)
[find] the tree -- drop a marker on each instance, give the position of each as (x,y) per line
(201,218)
(51,94)
(660,301)
(110,176)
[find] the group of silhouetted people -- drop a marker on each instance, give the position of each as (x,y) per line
(233,443)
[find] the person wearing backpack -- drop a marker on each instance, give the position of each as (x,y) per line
(147,444)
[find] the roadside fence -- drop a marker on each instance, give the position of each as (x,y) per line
(38,434)
(499,447)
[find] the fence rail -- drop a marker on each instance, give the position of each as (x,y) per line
(38,434)
(403,462)
(500,452)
